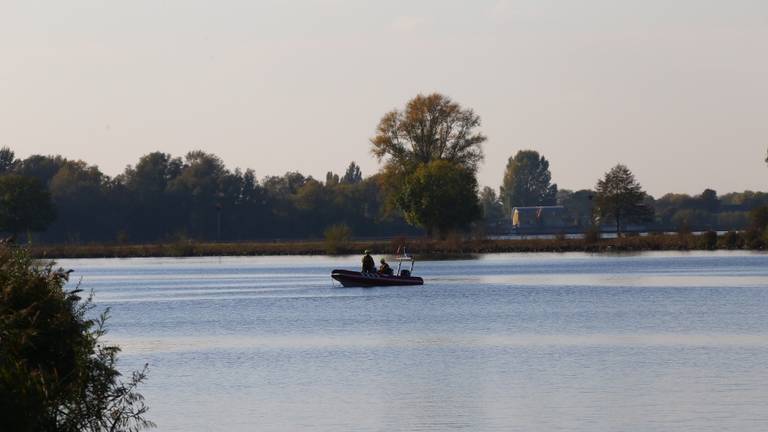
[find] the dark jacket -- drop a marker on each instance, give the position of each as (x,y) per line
(368,264)
(385,269)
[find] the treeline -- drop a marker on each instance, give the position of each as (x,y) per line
(429,152)
(675,212)
(166,198)
(527,182)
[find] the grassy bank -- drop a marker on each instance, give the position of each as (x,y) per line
(423,247)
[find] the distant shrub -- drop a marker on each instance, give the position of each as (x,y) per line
(337,238)
(732,240)
(181,248)
(683,228)
(592,234)
(453,242)
(121,237)
(754,239)
(708,240)
(758,218)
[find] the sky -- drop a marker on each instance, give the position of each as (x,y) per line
(675,89)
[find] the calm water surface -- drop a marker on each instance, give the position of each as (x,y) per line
(547,342)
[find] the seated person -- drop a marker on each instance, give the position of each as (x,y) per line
(385,269)
(368,265)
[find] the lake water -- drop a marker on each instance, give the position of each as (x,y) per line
(517,342)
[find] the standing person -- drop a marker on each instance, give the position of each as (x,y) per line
(369,266)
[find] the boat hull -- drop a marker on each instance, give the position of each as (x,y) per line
(350,278)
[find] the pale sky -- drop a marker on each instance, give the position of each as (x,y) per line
(675,89)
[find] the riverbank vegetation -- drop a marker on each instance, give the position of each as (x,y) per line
(56,373)
(453,246)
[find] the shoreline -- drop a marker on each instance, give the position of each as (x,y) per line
(422,247)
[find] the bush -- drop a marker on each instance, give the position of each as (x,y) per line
(55,374)
(753,239)
(709,240)
(732,240)
(758,218)
(337,238)
(592,234)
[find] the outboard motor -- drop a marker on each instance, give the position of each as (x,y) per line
(405,273)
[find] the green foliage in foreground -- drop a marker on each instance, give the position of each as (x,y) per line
(55,374)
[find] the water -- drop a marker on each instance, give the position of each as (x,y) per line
(547,342)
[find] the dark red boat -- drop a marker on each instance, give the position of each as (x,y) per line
(402,277)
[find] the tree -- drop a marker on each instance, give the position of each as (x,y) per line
(430,128)
(286,185)
(150,178)
(708,201)
(490,205)
(25,205)
(331,179)
(620,196)
(7,160)
(579,205)
(55,372)
(758,218)
(79,191)
(353,175)
(527,181)
(440,196)
(41,167)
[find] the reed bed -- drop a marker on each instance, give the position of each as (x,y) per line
(451,247)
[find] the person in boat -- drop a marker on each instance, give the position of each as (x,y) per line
(369,266)
(385,269)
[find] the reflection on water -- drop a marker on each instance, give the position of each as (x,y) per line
(659,341)
(192,344)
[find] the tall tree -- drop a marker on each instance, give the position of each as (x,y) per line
(150,178)
(152,211)
(7,160)
(79,192)
(490,204)
(430,128)
(25,205)
(578,205)
(440,196)
(331,179)
(353,175)
(620,196)
(527,181)
(41,167)
(709,201)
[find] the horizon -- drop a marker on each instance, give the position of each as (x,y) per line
(673,91)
